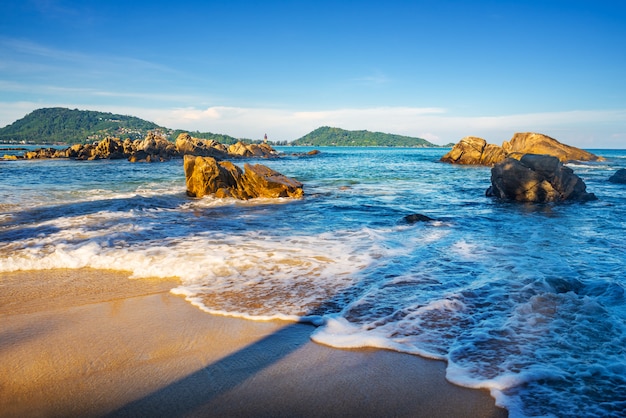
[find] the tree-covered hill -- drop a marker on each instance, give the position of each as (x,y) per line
(61,125)
(327,136)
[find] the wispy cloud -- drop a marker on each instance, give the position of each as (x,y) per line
(86,93)
(25,51)
(375,78)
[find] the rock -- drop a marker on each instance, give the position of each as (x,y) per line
(45,153)
(475,151)
(241,149)
(472,150)
(536,178)
(534,143)
(111,148)
(417,217)
(157,147)
(619,176)
(188,145)
(262,181)
(206,176)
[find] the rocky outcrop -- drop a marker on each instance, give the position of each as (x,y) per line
(241,149)
(188,145)
(472,150)
(154,147)
(536,178)
(206,176)
(476,151)
(43,153)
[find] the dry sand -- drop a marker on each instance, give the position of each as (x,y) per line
(94,343)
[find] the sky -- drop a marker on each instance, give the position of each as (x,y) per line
(438,69)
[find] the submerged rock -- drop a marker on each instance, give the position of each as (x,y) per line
(536,178)
(619,176)
(475,151)
(206,176)
(417,217)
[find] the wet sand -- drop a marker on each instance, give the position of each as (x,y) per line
(94,343)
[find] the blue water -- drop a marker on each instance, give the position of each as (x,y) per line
(527,300)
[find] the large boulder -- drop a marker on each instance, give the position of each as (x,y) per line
(206,176)
(534,143)
(536,178)
(619,176)
(475,151)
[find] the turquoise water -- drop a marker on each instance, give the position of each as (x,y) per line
(526,300)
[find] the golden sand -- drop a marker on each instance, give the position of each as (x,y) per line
(95,343)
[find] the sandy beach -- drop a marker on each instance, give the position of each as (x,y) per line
(95,343)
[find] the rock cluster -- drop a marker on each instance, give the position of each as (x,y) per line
(536,178)
(152,148)
(206,176)
(476,151)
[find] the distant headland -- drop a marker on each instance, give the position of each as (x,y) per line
(58,125)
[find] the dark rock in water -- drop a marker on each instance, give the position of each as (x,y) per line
(206,176)
(417,217)
(536,178)
(619,176)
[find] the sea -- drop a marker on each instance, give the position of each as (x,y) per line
(525,300)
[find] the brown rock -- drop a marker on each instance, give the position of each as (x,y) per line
(534,143)
(110,148)
(262,181)
(188,145)
(536,178)
(241,149)
(205,176)
(157,147)
(468,150)
(476,151)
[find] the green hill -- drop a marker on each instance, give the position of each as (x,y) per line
(61,125)
(55,125)
(327,136)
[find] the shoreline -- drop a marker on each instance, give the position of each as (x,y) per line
(95,343)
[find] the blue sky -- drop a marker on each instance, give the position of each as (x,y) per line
(440,70)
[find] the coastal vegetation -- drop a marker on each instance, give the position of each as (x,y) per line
(58,125)
(71,126)
(327,136)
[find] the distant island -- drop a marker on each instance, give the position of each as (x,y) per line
(58,125)
(336,137)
